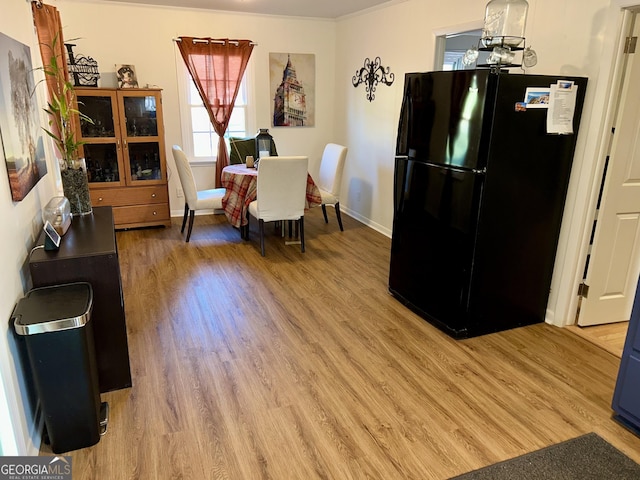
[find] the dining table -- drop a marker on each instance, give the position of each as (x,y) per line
(241,184)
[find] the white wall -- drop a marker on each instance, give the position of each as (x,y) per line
(142,36)
(21,223)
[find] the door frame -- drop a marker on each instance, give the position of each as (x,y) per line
(440,40)
(588,167)
(602,306)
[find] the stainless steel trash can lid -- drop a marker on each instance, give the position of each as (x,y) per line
(54,308)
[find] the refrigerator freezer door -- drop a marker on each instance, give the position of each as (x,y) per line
(433,239)
(441,120)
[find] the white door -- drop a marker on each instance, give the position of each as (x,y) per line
(614,263)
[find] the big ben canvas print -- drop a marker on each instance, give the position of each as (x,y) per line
(292,78)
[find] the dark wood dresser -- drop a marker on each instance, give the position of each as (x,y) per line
(88,253)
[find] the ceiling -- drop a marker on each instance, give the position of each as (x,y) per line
(296,8)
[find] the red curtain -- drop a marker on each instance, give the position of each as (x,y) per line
(217,67)
(49,29)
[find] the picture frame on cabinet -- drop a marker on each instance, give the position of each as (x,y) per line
(126,76)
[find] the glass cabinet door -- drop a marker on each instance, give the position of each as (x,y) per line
(101,150)
(99,109)
(144,159)
(102,162)
(140,113)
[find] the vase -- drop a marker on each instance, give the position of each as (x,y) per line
(75,185)
(504,23)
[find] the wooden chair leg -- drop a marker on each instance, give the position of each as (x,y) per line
(191,215)
(337,206)
(324,212)
(244,229)
(184,218)
(301,223)
(262,237)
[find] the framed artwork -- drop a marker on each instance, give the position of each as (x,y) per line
(126,76)
(293,85)
(20,131)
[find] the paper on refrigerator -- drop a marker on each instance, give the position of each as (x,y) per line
(562,107)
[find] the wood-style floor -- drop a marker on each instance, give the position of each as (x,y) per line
(609,336)
(302,366)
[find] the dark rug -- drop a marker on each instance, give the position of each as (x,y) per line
(582,458)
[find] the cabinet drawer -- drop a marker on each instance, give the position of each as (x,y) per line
(129,196)
(141,215)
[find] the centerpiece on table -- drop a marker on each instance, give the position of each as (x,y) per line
(61,110)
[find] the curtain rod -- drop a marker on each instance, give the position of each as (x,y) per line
(198,40)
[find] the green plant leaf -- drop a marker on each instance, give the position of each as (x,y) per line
(61,108)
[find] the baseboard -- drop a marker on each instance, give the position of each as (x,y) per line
(368,222)
(37,429)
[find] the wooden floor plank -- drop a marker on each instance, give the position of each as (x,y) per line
(303,366)
(610,336)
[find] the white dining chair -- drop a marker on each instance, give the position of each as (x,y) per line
(281,192)
(194,199)
(330,178)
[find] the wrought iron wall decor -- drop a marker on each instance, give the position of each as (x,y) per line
(84,69)
(371,74)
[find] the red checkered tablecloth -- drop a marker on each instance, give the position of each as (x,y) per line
(241,184)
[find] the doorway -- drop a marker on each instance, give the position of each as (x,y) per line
(612,266)
(451,47)
(613,262)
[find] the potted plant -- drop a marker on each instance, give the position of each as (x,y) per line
(61,110)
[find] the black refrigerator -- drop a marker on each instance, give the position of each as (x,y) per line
(479,192)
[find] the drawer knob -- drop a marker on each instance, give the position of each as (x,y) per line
(99,199)
(153,195)
(155,213)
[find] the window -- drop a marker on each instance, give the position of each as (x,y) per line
(200,140)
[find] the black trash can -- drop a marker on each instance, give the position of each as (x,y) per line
(58,334)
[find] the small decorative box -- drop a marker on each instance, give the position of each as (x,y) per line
(58,212)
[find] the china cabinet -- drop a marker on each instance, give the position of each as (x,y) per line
(125,155)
